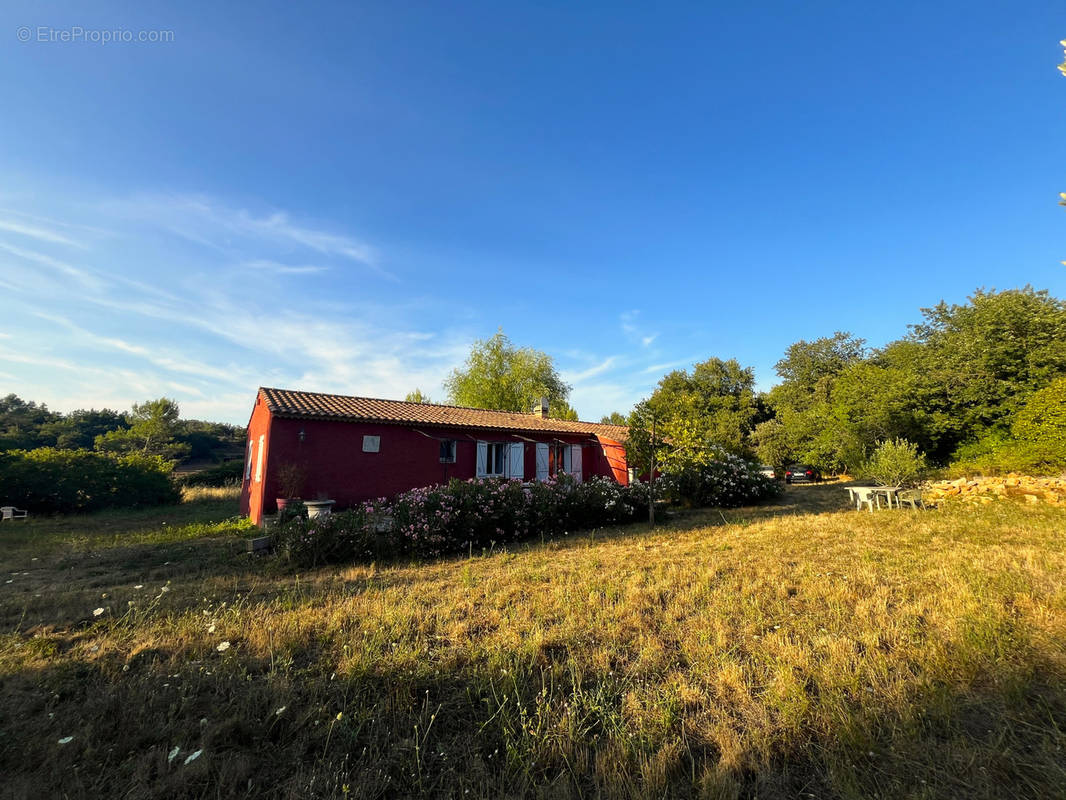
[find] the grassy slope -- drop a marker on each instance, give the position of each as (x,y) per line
(762,652)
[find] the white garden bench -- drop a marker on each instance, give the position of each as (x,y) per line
(10,512)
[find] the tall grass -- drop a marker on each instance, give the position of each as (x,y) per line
(758,652)
(190,494)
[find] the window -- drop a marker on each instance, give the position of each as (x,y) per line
(447,451)
(259,460)
(494,464)
(371,444)
(500,460)
(560,459)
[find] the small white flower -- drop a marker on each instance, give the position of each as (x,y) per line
(97,612)
(173,754)
(66,740)
(193,757)
(211,629)
(164,588)
(280,711)
(223,647)
(139,586)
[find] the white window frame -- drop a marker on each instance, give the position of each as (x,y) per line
(259,459)
(371,444)
(248,460)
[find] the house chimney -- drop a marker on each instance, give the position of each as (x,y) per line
(540,408)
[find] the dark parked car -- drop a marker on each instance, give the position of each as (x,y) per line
(802,473)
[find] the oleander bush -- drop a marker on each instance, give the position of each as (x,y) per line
(345,536)
(52,480)
(476,515)
(714,477)
(461,516)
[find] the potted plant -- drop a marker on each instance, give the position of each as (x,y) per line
(291,477)
(320,507)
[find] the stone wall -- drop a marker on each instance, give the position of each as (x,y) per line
(987,490)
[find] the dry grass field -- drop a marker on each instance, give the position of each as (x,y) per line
(797,649)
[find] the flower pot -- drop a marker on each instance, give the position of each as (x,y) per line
(284,501)
(318,508)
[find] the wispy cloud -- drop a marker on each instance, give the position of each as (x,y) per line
(667,365)
(591,372)
(83,276)
(168,360)
(207,222)
(34,232)
(193,297)
(628,321)
(265,265)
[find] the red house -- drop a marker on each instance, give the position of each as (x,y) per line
(359,448)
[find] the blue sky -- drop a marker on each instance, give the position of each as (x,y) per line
(342,198)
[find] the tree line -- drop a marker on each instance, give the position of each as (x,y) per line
(979,384)
(152,428)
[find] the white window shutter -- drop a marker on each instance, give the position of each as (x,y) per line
(482,459)
(248,460)
(542,461)
(516,461)
(575,461)
(259,460)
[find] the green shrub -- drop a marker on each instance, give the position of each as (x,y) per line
(998,453)
(344,536)
(711,477)
(294,509)
(48,480)
(895,462)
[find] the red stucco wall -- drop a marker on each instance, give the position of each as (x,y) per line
(252,492)
(338,469)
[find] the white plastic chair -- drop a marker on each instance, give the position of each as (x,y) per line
(864,495)
(912,497)
(10,512)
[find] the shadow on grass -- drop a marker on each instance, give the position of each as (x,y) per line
(544,729)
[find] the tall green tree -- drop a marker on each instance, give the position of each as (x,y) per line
(21,422)
(989,354)
(498,375)
(961,374)
(154,428)
(417,397)
(79,429)
(773,444)
(713,406)
(614,418)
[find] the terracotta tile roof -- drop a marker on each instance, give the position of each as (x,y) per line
(313,405)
